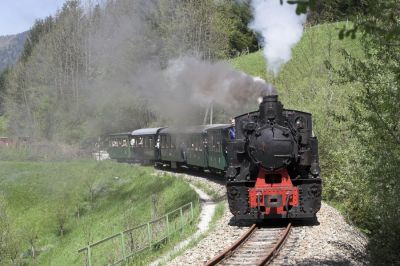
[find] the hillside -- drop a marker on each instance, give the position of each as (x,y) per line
(11,47)
(57,208)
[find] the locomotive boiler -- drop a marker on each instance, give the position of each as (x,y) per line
(273,167)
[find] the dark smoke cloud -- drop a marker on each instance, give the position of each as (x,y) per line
(189,82)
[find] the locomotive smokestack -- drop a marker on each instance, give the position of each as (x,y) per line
(270,107)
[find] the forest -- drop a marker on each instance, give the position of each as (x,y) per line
(91,70)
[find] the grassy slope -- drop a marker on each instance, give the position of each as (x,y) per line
(305,83)
(38,193)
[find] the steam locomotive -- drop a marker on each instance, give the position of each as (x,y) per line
(270,162)
(273,167)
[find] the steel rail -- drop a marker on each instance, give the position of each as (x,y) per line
(264,259)
(232,248)
(275,250)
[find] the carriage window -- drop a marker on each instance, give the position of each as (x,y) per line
(200,143)
(212,144)
(194,144)
(151,144)
(173,140)
(191,144)
(162,142)
(140,142)
(114,143)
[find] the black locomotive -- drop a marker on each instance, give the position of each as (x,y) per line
(273,167)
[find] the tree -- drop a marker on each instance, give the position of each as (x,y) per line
(375,113)
(198,28)
(3,89)
(241,38)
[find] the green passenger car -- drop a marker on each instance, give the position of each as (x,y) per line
(171,147)
(144,144)
(190,146)
(119,147)
(195,138)
(217,140)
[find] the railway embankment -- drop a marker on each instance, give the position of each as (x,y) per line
(330,241)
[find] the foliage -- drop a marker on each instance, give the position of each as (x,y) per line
(51,212)
(3,89)
(38,30)
(241,38)
(375,122)
(24,150)
(334,10)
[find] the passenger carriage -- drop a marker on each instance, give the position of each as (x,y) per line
(144,143)
(119,147)
(217,140)
(203,147)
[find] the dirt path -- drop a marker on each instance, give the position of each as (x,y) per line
(207,212)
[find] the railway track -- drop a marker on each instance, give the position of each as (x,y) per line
(257,246)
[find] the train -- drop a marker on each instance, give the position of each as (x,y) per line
(201,147)
(269,159)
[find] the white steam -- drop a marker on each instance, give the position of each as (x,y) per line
(280,27)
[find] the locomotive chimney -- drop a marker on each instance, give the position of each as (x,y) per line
(270,107)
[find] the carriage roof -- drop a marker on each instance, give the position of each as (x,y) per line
(193,129)
(146,131)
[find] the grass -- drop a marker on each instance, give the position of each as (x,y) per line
(89,200)
(203,186)
(219,212)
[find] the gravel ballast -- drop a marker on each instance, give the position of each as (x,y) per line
(331,241)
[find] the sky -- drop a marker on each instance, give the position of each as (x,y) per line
(19,15)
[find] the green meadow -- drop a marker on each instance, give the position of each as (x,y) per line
(51,209)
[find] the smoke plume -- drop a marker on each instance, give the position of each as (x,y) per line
(280,27)
(189,83)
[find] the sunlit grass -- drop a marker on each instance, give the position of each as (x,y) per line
(93,199)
